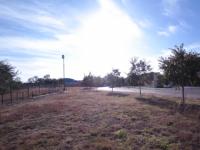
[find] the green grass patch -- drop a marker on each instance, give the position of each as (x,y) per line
(121,134)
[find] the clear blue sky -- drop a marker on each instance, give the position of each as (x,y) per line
(95,35)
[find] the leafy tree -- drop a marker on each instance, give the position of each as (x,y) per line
(16,83)
(91,80)
(7,74)
(47,76)
(98,81)
(121,81)
(33,79)
(44,82)
(154,79)
(161,81)
(137,72)
(47,81)
(181,67)
(132,79)
(113,78)
(88,80)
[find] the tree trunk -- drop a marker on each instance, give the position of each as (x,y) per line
(140,91)
(1,98)
(183,95)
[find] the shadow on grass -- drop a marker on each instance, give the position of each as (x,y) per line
(169,104)
(117,94)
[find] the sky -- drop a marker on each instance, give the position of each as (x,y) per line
(94,35)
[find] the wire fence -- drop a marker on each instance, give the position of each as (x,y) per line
(17,95)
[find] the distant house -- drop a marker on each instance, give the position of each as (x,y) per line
(151,79)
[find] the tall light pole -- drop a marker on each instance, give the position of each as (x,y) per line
(63,57)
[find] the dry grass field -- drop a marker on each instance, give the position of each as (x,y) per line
(90,120)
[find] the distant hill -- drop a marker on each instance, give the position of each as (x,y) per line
(71,82)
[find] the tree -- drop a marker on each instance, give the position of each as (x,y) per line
(98,81)
(137,72)
(181,67)
(113,78)
(7,74)
(121,81)
(33,79)
(161,81)
(47,76)
(88,80)
(132,79)
(16,83)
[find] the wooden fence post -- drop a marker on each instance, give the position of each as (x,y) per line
(32,93)
(28,91)
(39,89)
(17,95)
(22,95)
(11,98)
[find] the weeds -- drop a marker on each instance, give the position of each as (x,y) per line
(84,119)
(121,134)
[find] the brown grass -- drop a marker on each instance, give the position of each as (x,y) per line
(88,120)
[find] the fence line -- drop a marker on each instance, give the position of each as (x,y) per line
(26,93)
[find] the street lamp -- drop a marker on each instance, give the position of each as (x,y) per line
(63,57)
